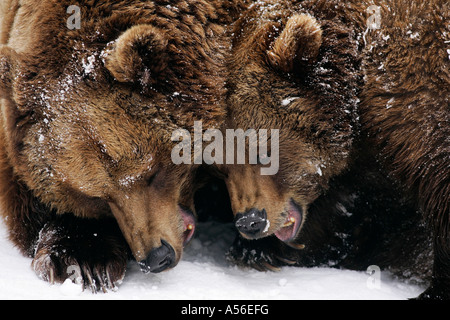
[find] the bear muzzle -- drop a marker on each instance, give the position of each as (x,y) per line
(252,224)
(164,257)
(255,224)
(159,259)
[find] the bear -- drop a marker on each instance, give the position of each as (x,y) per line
(90,95)
(359,93)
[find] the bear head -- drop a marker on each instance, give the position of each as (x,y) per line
(295,75)
(88,116)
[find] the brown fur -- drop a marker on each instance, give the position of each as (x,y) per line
(87,117)
(399,74)
(318,123)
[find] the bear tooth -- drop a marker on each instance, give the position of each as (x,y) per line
(289,222)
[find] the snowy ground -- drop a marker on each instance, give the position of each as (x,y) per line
(203,273)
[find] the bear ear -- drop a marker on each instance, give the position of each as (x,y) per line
(138,55)
(8,63)
(297,45)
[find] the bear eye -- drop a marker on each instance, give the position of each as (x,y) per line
(152,178)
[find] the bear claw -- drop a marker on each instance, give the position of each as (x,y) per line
(47,267)
(95,262)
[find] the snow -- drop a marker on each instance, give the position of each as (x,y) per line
(390,103)
(287,101)
(318,171)
(204,273)
(88,65)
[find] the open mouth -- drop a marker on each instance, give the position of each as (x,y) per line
(292,223)
(188,225)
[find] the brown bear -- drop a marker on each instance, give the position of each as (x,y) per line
(90,95)
(359,91)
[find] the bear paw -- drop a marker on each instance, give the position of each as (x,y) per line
(259,254)
(94,260)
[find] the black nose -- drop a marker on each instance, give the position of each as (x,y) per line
(159,259)
(251,223)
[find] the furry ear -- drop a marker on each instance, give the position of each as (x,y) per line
(138,55)
(8,63)
(297,45)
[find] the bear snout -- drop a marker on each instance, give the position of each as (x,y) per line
(159,259)
(252,224)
